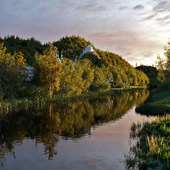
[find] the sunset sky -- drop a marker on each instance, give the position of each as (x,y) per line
(137,30)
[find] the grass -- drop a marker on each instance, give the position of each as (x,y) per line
(159,104)
(152,149)
(9,105)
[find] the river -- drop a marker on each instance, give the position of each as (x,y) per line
(88,134)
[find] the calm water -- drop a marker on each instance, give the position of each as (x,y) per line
(88,134)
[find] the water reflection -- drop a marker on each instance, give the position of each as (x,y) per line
(72,120)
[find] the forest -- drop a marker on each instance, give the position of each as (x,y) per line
(53,77)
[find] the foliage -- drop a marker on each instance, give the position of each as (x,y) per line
(66,81)
(163,65)
(32,92)
(152,147)
(52,76)
(71,46)
(93,58)
(159,102)
(88,73)
(27,47)
(1,96)
(152,73)
(99,86)
(49,70)
(163,87)
(10,72)
(119,68)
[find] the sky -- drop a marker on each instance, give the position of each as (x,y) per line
(136,30)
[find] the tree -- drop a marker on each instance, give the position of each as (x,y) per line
(88,73)
(77,79)
(49,70)
(99,74)
(10,71)
(160,63)
(167,64)
(66,76)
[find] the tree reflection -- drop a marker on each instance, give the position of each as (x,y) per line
(70,120)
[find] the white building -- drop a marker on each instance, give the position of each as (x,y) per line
(88,49)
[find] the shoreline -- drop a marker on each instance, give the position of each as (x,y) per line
(10,105)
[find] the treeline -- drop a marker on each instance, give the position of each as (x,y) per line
(52,77)
(28,47)
(152,74)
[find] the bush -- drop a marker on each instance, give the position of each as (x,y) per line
(99,86)
(121,85)
(164,86)
(153,83)
(32,92)
(160,96)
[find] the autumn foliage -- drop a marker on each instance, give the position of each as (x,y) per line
(66,78)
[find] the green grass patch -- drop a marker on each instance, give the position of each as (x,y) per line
(160,96)
(159,104)
(152,149)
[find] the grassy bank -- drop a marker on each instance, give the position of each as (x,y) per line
(152,149)
(159,102)
(9,105)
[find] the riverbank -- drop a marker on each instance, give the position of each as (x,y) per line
(152,147)
(9,105)
(151,150)
(159,102)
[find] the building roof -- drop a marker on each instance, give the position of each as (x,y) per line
(88,49)
(29,68)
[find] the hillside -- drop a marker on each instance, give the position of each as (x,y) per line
(122,71)
(119,69)
(73,46)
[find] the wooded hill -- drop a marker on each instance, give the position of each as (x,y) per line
(121,71)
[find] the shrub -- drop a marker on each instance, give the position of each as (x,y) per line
(163,87)
(99,86)
(32,92)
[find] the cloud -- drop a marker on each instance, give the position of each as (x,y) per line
(138,7)
(149,17)
(91,8)
(162,7)
(123,8)
(165,18)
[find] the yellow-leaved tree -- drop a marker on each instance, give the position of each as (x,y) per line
(50,69)
(77,80)
(83,76)
(20,59)
(10,72)
(88,73)
(66,77)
